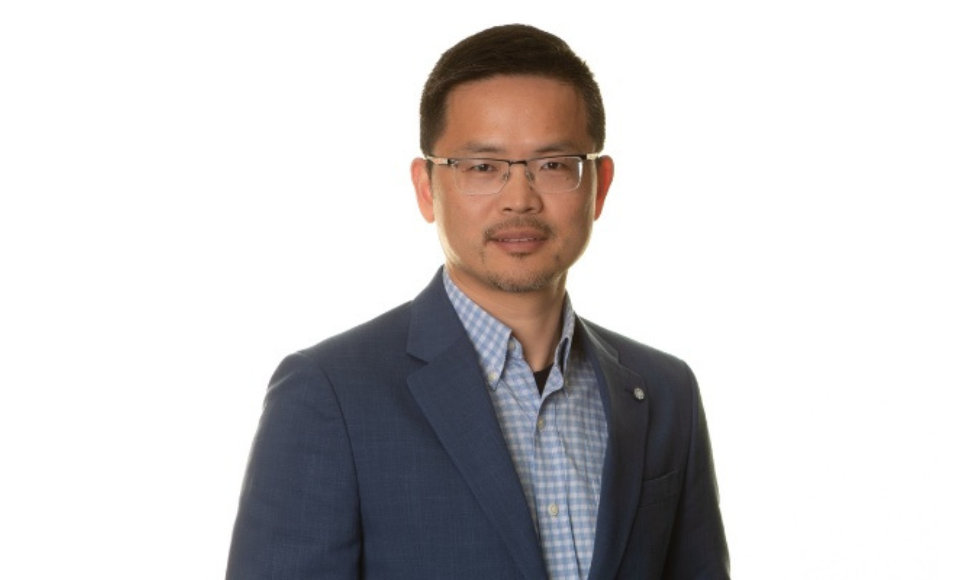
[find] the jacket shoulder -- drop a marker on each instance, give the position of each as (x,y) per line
(367,342)
(641,358)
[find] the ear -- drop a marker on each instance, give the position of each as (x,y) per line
(604,169)
(423,189)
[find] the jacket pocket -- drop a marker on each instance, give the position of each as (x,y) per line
(659,488)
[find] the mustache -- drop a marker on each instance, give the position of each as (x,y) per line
(519,223)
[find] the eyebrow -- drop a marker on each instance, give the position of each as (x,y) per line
(557,147)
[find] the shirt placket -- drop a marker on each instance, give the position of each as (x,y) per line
(550,484)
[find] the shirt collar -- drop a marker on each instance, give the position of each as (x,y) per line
(493,340)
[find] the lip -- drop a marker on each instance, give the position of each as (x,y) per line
(519,241)
(519,235)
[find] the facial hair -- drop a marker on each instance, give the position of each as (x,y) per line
(523,282)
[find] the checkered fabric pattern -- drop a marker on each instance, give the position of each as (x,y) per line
(556,439)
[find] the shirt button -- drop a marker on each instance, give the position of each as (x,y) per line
(492,377)
(553,509)
(540,423)
(511,344)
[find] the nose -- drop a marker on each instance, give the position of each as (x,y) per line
(518,194)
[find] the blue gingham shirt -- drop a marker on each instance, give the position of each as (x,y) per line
(557,438)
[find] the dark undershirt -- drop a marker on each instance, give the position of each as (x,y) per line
(541,377)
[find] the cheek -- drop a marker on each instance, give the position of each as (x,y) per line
(458,225)
(588,212)
(577,226)
(444,210)
(465,216)
(447,214)
(580,217)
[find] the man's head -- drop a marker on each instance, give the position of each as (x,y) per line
(512,123)
(511,50)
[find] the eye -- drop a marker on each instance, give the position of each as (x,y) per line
(556,164)
(478,165)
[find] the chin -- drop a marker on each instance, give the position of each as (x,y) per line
(523,282)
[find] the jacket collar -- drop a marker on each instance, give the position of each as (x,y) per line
(625,399)
(452,394)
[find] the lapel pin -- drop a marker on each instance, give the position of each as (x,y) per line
(638,394)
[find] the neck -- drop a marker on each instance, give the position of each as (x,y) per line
(535,317)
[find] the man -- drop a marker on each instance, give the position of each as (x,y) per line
(484,430)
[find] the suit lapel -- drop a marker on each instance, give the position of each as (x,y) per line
(453,396)
(622,473)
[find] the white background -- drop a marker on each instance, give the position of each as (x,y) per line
(192,190)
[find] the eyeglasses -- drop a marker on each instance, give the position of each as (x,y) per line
(479,176)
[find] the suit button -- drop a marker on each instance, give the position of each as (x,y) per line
(553,509)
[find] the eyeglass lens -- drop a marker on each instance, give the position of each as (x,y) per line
(547,175)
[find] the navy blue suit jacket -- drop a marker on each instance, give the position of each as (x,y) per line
(379,455)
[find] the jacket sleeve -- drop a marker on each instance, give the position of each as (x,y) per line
(698,549)
(298,516)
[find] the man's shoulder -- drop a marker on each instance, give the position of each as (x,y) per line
(641,358)
(373,338)
(384,343)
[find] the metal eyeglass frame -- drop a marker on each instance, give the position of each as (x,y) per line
(453,161)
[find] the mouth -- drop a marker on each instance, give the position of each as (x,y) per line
(519,237)
(512,239)
(519,240)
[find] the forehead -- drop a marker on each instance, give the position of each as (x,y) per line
(515,113)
